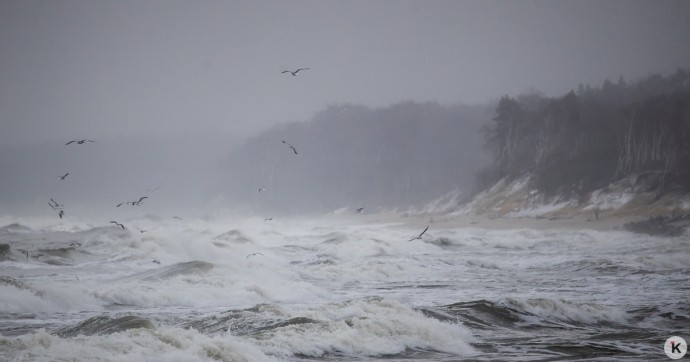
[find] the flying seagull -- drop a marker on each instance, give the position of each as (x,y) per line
(291,146)
(133,203)
(156,261)
(63,176)
(295,72)
(54,205)
(118,224)
(269,219)
(420,235)
(262,190)
(252,254)
(360,210)
(141,199)
(79,142)
(177,217)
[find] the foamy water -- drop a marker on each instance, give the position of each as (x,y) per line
(335,289)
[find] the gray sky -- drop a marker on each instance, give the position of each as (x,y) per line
(95,69)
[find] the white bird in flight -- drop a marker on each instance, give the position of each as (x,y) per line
(79,142)
(141,199)
(420,235)
(295,72)
(54,205)
(118,224)
(291,146)
(133,203)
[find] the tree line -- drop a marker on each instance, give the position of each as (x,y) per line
(588,138)
(355,156)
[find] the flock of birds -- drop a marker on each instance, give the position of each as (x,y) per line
(55,206)
(60,208)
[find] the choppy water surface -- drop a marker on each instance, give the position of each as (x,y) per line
(337,290)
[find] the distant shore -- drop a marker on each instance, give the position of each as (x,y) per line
(612,222)
(451,221)
(539,223)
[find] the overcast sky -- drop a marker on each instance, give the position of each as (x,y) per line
(96,69)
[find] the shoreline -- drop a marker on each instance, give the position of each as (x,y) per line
(450,221)
(582,221)
(639,225)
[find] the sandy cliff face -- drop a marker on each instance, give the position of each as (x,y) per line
(633,196)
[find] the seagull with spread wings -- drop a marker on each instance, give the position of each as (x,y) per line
(295,72)
(291,146)
(79,142)
(420,235)
(54,205)
(118,224)
(141,199)
(133,203)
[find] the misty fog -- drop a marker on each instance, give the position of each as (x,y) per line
(190,98)
(175,172)
(441,180)
(352,156)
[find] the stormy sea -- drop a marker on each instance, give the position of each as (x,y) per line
(335,289)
